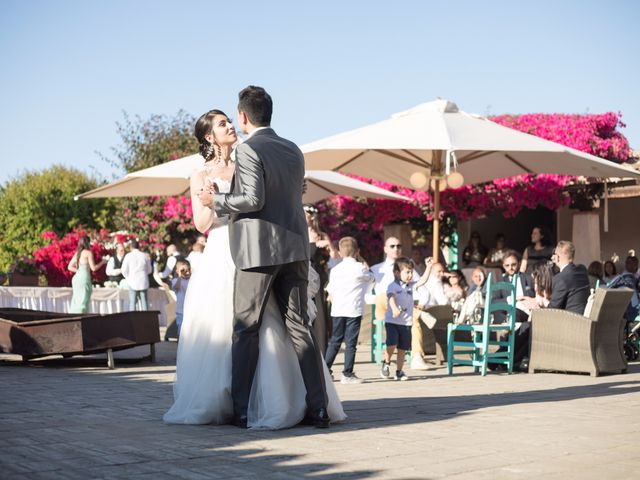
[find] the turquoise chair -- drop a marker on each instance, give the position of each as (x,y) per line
(475,351)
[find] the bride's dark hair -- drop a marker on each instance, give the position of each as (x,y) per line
(204,127)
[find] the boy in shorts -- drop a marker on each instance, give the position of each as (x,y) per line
(399,315)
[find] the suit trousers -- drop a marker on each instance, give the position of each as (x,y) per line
(288,283)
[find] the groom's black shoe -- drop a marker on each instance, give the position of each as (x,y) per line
(318,418)
(239,421)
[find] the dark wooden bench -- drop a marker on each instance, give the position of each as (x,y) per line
(33,333)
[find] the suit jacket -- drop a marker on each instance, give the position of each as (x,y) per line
(570,289)
(268,225)
(525,281)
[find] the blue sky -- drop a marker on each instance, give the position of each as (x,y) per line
(70,68)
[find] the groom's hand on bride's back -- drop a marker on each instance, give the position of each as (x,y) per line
(205,197)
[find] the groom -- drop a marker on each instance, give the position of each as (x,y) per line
(270,247)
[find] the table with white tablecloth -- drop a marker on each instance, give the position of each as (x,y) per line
(58,299)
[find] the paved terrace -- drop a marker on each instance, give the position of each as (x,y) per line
(74,419)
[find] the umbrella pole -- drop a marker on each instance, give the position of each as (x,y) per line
(437,166)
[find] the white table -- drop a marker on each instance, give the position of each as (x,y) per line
(58,299)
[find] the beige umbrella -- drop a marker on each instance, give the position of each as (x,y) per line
(436,145)
(172,178)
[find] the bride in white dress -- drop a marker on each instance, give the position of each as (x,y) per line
(202,388)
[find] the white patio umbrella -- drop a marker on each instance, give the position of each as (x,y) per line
(172,178)
(435,144)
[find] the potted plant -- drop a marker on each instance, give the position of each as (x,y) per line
(25,273)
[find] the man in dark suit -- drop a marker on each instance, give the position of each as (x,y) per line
(570,288)
(524,284)
(270,247)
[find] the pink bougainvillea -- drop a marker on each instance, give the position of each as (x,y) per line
(54,258)
(594,134)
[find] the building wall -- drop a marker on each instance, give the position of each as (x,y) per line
(624,228)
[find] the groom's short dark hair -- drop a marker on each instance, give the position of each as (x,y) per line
(257,104)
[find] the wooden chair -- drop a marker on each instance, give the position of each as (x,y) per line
(478,352)
(568,342)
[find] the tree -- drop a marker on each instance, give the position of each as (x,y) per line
(150,142)
(43,201)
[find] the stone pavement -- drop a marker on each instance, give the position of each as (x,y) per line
(75,419)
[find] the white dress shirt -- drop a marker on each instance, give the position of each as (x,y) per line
(432,293)
(111,270)
(136,268)
(348,281)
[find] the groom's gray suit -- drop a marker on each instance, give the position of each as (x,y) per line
(270,247)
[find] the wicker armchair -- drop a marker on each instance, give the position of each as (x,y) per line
(568,342)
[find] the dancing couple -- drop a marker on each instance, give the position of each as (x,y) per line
(247,354)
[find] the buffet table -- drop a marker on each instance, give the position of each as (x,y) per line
(58,299)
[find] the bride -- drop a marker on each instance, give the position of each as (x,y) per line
(202,388)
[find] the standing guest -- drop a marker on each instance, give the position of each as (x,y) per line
(496,254)
(195,256)
(172,257)
(179,286)
(595,271)
(540,249)
(398,318)
(82,264)
(348,281)
(570,289)
(383,271)
(323,256)
(136,268)
(475,252)
(610,271)
(114,265)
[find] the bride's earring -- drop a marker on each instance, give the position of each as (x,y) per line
(209,152)
(219,152)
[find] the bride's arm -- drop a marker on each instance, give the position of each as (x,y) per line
(203,217)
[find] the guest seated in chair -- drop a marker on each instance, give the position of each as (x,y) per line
(430,294)
(524,287)
(569,291)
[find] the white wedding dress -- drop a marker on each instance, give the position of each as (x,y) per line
(202,388)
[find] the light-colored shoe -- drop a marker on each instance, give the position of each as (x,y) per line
(385,371)
(353,378)
(417,363)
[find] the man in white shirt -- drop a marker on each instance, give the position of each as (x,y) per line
(430,294)
(348,281)
(136,268)
(172,257)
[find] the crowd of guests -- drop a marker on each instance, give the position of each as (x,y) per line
(399,287)
(135,270)
(545,276)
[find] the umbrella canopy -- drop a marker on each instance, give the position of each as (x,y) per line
(172,178)
(454,148)
(481,150)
